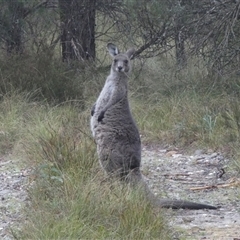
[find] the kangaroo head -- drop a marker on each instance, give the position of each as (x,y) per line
(121,61)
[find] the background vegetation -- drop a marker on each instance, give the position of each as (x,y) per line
(184,91)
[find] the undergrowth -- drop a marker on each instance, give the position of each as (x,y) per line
(70,196)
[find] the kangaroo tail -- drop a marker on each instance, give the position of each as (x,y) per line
(177,204)
(136,179)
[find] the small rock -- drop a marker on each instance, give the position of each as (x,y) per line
(188,219)
(163,150)
(170,153)
(176,155)
(199,152)
(213,155)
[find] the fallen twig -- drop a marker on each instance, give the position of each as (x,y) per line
(234,182)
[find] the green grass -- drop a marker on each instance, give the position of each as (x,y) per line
(188,121)
(14,109)
(87,210)
(70,195)
(187,108)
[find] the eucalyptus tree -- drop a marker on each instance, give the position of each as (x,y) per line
(13,14)
(77,29)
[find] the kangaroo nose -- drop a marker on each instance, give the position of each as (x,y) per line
(120,68)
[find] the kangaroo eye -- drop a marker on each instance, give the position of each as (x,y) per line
(126,61)
(115,60)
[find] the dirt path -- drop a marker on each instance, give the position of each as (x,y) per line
(13,196)
(173,174)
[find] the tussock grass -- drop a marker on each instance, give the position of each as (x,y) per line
(46,76)
(183,121)
(14,110)
(88,210)
(70,196)
(187,108)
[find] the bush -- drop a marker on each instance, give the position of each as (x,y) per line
(48,78)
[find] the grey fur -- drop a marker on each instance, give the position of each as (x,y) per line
(116,134)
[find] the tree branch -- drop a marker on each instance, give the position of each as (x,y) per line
(33,9)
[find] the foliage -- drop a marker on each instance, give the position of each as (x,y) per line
(70,196)
(50,79)
(208,29)
(187,107)
(11,120)
(13,22)
(45,106)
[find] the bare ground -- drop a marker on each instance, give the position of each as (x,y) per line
(203,177)
(170,173)
(13,196)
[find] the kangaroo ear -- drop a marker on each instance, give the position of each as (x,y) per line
(112,49)
(130,53)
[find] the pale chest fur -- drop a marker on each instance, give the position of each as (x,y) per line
(114,93)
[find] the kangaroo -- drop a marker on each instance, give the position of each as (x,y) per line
(116,134)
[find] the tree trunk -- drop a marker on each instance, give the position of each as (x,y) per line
(180,46)
(13,24)
(78,29)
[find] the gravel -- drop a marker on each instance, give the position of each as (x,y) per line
(13,196)
(173,174)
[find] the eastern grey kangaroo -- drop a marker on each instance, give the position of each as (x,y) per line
(116,134)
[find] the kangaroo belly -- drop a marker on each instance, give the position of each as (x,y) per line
(119,162)
(118,142)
